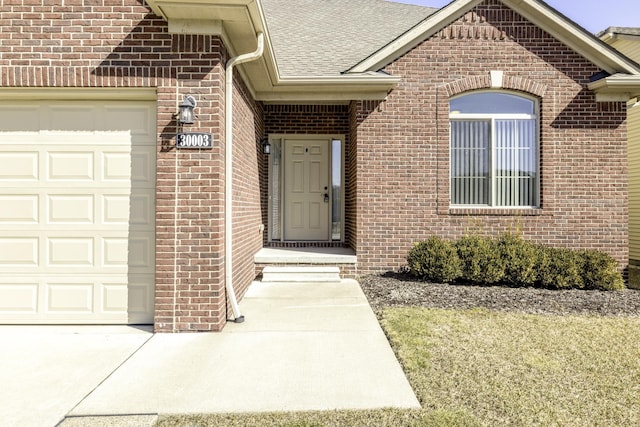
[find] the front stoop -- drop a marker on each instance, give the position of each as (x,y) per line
(300,274)
(310,263)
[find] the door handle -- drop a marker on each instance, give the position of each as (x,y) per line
(326,197)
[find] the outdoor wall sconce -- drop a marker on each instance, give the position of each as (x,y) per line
(186,116)
(266,147)
(185,110)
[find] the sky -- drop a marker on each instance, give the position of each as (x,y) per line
(594,15)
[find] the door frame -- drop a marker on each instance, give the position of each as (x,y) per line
(275,184)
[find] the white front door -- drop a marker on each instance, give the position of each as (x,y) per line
(306,189)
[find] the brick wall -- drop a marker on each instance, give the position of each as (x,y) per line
(249,169)
(403,143)
(306,119)
(121,44)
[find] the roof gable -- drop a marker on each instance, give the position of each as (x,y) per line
(536,11)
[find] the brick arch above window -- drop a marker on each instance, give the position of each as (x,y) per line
(488,81)
(508,82)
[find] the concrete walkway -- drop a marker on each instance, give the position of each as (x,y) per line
(303,346)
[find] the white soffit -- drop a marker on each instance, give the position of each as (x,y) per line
(619,87)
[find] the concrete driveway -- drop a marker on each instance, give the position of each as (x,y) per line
(303,346)
(45,371)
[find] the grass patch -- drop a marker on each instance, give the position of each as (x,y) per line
(514,369)
(485,368)
(378,418)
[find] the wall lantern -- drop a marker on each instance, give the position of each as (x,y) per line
(266,147)
(185,112)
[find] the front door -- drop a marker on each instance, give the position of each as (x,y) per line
(306,189)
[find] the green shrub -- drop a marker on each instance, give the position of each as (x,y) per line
(512,261)
(600,271)
(481,261)
(521,259)
(435,260)
(560,268)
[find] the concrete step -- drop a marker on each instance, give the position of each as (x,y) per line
(300,274)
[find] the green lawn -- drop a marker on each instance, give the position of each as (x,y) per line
(515,369)
(480,367)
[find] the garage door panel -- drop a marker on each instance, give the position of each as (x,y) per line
(18,166)
(141,252)
(60,299)
(18,298)
(65,165)
(116,209)
(142,211)
(78,251)
(115,252)
(77,206)
(19,252)
(140,299)
(71,209)
(67,296)
(81,140)
(72,117)
(115,298)
(20,118)
(137,120)
(143,172)
(70,252)
(135,209)
(117,167)
(19,209)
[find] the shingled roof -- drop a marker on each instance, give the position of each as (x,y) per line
(326,37)
(628,31)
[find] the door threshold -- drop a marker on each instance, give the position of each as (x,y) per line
(305,244)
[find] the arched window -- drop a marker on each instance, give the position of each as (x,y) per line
(494,150)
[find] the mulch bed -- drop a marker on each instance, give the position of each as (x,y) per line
(399,289)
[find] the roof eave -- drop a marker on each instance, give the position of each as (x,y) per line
(237,22)
(612,34)
(616,88)
(340,89)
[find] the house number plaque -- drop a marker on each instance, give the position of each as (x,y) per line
(194,140)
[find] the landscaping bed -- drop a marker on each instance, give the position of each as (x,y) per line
(397,289)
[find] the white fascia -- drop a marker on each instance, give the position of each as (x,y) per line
(619,87)
(431,25)
(556,24)
(339,89)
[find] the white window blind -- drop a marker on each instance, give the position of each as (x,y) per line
(494,151)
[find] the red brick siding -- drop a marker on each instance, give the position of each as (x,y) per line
(249,171)
(403,143)
(351,178)
(121,44)
(306,119)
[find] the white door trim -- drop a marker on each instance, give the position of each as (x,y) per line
(276,184)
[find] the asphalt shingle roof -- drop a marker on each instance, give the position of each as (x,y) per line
(313,38)
(630,31)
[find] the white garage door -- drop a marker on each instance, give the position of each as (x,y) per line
(77,207)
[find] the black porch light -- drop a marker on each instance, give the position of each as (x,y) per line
(185,110)
(266,147)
